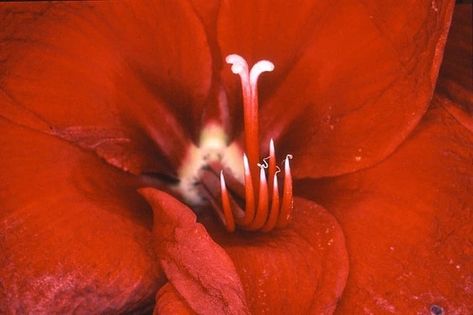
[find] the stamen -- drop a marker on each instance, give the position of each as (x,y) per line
(249,194)
(262,211)
(287,201)
(227,218)
(274,212)
(272,164)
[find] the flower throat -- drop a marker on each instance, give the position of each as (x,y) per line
(243,189)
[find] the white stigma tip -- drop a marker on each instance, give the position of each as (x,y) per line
(260,67)
(237,68)
(239,64)
(263,66)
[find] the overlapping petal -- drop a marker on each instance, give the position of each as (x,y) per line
(408,223)
(352,79)
(298,270)
(455,83)
(124,76)
(74,234)
(200,270)
(170,302)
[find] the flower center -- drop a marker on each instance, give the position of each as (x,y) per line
(242,188)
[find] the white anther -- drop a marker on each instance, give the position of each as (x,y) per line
(278,170)
(263,165)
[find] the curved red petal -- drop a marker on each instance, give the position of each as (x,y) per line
(298,270)
(456,75)
(408,224)
(301,269)
(128,69)
(197,267)
(354,78)
(66,221)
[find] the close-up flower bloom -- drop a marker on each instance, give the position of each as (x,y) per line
(236,157)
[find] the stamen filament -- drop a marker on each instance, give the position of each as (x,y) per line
(227,209)
(287,201)
(262,211)
(272,165)
(274,212)
(249,193)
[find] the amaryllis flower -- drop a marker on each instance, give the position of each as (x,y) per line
(146,159)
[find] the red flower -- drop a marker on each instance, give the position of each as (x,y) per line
(136,84)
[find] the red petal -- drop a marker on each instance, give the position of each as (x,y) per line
(456,76)
(198,268)
(353,80)
(107,66)
(408,224)
(169,301)
(301,269)
(293,271)
(73,232)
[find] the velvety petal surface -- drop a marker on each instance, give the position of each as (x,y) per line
(352,79)
(74,234)
(301,269)
(126,79)
(298,270)
(197,267)
(408,224)
(169,301)
(455,83)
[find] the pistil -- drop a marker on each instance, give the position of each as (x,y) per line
(249,82)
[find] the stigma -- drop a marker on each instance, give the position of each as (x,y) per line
(245,190)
